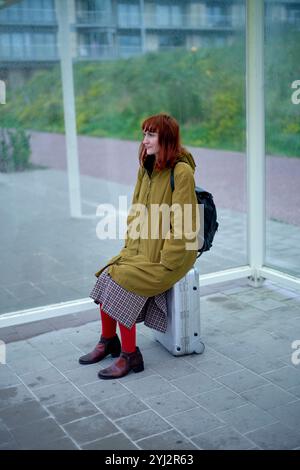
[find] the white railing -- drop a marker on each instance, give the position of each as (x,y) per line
(96,17)
(28,53)
(17,15)
(189,21)
(133,20)
(106,52)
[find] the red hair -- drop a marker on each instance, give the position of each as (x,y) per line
(168,139)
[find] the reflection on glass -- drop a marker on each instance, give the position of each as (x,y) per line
(282,37)
(185,58)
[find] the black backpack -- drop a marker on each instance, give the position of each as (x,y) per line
(210,215)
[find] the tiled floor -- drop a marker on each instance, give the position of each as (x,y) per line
(242,393)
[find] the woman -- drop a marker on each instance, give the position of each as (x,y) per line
(132,287)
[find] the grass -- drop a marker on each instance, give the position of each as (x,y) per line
(204,90)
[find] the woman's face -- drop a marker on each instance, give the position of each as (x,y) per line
(150,142)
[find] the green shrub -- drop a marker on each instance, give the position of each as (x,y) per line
(203,89)
(15,150)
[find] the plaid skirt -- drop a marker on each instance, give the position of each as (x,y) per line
(129,308)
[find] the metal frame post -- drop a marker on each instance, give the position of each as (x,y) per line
(64,42)
(256,165)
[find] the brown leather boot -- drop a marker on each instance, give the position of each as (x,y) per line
(123,365)
(105,347)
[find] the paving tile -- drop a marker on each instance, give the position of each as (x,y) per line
(275,346)
(143,424)
(286,377)
(134,377)
(83,375)
(57,393)
(195,421)
(58,351)
(243,380)
(295,391)
(150,386)
(38,379)
(237,349)
(262,363)
(276,436)
(117,441)
(121,406)
(156,355)
(168,440)
(219,366)
(68,362)
(288,414)
(8,377)
(10,445)
(170,403)
(247,418)
(13,395)
(37,433)
(218,400)
(208,354)
(195,383)
(268,396)
(103,389)
(5,435)
(72,410)
(224,438)
(16,351)
(27,363)
(64,443)
(21,413)
(89,429)
(173,368)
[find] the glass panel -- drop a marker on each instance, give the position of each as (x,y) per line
(193,71)
(282,100)
(35,257)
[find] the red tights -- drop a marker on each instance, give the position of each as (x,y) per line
(128,336)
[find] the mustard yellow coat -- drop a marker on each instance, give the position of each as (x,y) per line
(149,266)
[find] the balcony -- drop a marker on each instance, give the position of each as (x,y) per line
(25,53)
(133,20)
(94,18)
(26,16)
(106,52)
(192,22)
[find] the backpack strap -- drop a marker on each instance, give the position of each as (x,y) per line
(172,179)
(172,176)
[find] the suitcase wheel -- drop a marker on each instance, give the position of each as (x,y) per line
(200,348)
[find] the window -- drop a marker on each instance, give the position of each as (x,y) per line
(171,40)
(168,15)
(293,14)
(125,40)
(129,44)
(93,44)
(128,15)
(163,15)
(216,14)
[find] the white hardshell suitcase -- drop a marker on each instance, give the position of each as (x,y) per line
(183,330)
